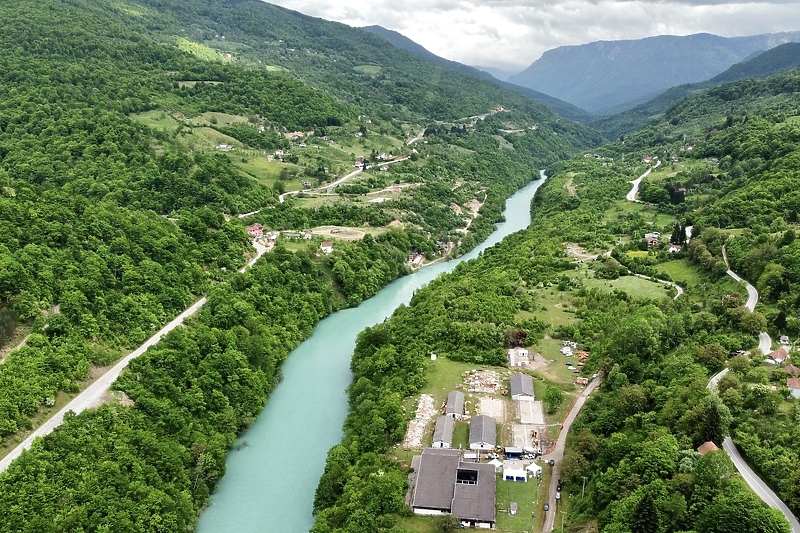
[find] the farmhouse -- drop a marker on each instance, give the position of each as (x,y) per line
(443,432)
(779,355)
(256,231)
(455,405)
(521,386)
(482,433)
(326,247)
(794,386)
(446,485)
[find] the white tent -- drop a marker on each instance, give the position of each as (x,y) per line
(514,473)
(498,465)
(533,469)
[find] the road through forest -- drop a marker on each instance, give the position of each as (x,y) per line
(95,393)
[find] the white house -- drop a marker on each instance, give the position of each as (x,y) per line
(326,247)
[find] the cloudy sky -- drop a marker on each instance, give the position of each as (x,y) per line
(511,34)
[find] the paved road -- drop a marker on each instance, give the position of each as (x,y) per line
(631,197)
(557,454)
(759,487)
(751,478)
(94,394)
(764,340)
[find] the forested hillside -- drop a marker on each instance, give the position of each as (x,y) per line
(728,164)
(137,139)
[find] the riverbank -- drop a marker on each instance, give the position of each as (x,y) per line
(264,483)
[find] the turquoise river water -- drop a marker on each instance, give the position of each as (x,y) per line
(269,484)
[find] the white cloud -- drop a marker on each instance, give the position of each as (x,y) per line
(513,33)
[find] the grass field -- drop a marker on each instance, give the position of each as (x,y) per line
(199,50)
(637,287)
(158,120)
(527,497)
(369,70)
(680,270)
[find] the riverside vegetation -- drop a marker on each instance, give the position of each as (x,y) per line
(118,211)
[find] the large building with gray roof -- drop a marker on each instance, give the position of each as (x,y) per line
(521,386)
(482,433)
(455,404)
(446,485)
(443,432)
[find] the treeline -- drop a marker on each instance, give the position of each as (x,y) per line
(151,467)
(635,440)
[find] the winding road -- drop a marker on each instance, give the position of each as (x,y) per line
(764,340)
(557,454)
(631,197)
(95,393)
(751,478)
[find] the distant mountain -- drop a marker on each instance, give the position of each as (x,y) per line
(500,74)
(605,77)
(761,65)
(556,105)
(765,64)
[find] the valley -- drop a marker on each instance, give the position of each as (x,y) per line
(236,237)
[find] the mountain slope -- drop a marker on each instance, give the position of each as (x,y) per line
(402,42)
(774,61)
(609,76)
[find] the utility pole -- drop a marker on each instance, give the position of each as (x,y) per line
(584,485)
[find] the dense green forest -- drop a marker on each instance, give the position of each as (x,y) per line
(131,137)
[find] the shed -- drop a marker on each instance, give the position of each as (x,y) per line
(521,386)
(443,432)
(482,433)
(455,404)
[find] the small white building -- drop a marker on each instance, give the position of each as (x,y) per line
(326,247)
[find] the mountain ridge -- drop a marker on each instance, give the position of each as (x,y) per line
(605,77)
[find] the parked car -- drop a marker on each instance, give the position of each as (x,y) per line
(546,506)
(552,462)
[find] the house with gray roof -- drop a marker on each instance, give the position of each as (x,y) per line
(455,404)
(482,433)
(443,432)
(446,485)
(521,386)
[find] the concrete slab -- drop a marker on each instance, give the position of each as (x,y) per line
(494,407)
(530,412)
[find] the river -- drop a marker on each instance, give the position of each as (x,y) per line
(269,484)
